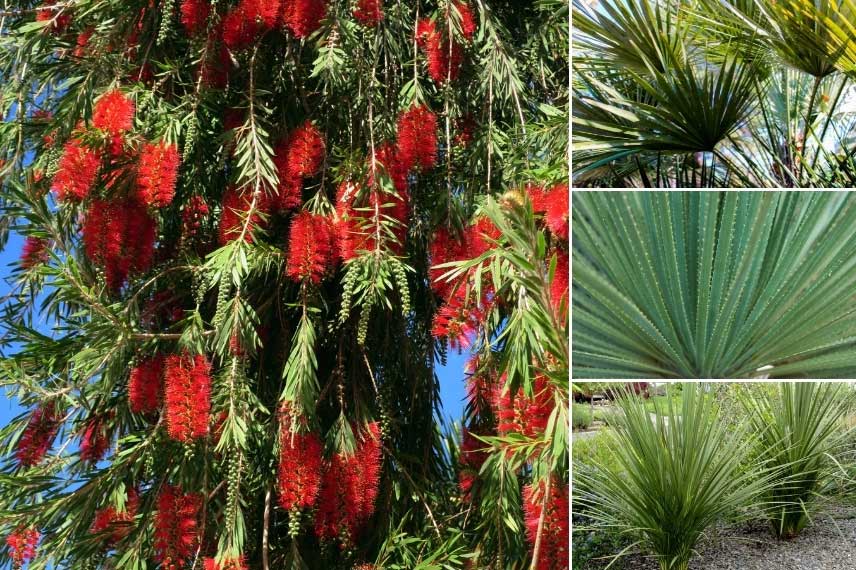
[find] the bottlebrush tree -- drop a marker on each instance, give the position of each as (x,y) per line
(252,228)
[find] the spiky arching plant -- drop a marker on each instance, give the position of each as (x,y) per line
(673,476)
(799,429)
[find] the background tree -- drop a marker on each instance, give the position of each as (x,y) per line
(234,216)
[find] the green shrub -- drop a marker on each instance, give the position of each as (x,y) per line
(799,428)
(581,416)
(672,477)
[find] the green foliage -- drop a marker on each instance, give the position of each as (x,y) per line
(581,416)
(353,348)
(799,428)
(713,285)
(673,477)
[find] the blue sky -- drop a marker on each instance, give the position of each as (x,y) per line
(452,389)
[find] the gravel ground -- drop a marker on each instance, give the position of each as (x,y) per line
(828,544)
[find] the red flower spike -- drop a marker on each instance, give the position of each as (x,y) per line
(303,17)
(187,397)
(554,554)
(299,469)
(445,248)
(458,320)
(35,252)
(238,32)
(349,487)
(559,286)
(265,13)
(95,441)
(556,202)
(157,174)
(304,152)
(311,249)
(60,18)
(521,414)
(38,435)
(236,204)
(194,15)
(468,21)
(145,386)
(22,546)
(417,138)
(480,236)
(113,113)
(369,13)
(426,28)
(76,174)
(119,236)
(115,525)
(176,526)
(81,42)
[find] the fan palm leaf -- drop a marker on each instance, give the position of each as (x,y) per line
(714,284)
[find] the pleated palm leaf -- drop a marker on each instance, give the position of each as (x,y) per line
(673,476)
(714,284)
(799,427)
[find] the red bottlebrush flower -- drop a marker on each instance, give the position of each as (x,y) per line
(554,554)
(38,435)
(559,285)
(35,252)
(22,546)
(115,525)
(349,487)
(113,113)
(82,41)
(468,21)
(303,17)
(76,174)
(458,320)
(144,386)
(227,564)
(310,247)
(304,152)
(176,526)
(265,13)
(445,55)
(522,414)
(444,60)
(237,30)
(556,201)
(444,248)
(187,396)
(60,18)
(157,174)
(299,469)
(368,458)
(194,15)
(346,228)
(390,160)
(119,236)
(417,138)
(480,236)
(192,215)
(426,28)
(95,441)
(236,204)
(369,13)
